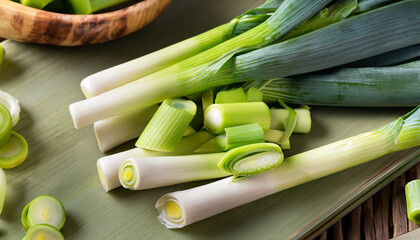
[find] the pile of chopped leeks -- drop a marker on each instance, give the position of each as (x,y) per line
(242,79)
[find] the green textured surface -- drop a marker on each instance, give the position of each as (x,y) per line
(62,160)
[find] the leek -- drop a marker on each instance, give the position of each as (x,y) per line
(43,231)
(210,146)
(231,96)
(217,117)
(91,6)
(2,189)
(251,159)
(40,4)
(289,124)
(368,5)
(412,195)
(374,86)
(13,152)
(274,136)
(303,122)
(24,217)
(153,172)
(202,202)
(240,136)
(207,99)
(389,58)
(119,75)
(5,125)
(108,166)
(254,95)
(188,76)
(114,131)
(44,210)
(166,128)
(12,104)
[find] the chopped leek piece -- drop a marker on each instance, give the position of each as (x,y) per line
(240,136)
(40,4)
(207,98)
(5,125)
(279,117)
(211,199)
(24,217)
(12,104)
(152,172)
(412,195)
(251,159)
(114,131)
(91,6)
(45,210)
(231,96)
(168,125)
(43,232)
(1,55)
(2,189)
(254,95)
(217,117)
(276,136)
(13,152)
(109,166)
(289,124)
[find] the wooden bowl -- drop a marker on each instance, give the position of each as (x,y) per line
(26,24)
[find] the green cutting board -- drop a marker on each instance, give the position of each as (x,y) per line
(62,160)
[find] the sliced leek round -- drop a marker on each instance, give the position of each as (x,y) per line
(251,159)
(13,152)
(12,104)
(5,125)
(2,189)
(43,232)
(412,195)
(46,210)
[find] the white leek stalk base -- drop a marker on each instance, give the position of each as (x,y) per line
(108,166)
(153,172)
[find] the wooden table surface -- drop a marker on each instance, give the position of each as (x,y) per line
(383,216)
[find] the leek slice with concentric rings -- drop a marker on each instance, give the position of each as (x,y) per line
(251,159)
(13,152)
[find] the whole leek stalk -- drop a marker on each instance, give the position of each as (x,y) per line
(202,202)
(379,86)
(188,76)
(119,75)
(359,37)
(152,172)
